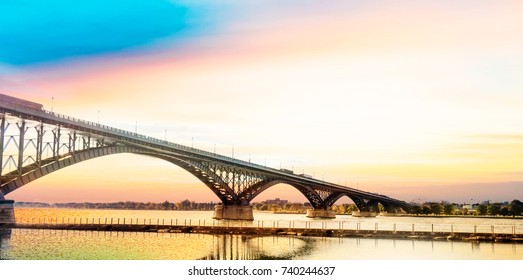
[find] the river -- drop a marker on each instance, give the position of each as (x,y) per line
(32,244)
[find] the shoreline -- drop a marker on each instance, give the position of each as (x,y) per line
(288,213)
(410,235)
(451,216)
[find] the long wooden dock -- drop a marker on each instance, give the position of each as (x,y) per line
(349,233)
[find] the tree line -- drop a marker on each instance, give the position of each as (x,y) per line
(513,208)
(486,208)
(295,207)
(128,205)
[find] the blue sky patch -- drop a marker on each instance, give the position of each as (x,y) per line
(36,31)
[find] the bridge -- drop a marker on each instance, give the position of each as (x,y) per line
(35,142)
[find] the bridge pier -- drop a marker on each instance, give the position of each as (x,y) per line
(233,212)
(7,212)
(320,213)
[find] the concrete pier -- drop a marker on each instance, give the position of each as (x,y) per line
(320,213)
(7,212)
(233,212)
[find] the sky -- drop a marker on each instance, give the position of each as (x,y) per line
(418,100)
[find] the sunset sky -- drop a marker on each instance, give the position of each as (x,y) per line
(418,100)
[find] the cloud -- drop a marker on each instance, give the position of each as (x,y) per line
(499,137)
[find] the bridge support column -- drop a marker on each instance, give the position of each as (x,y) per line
(7,212)
(233,212)
(321,213)
(364,214)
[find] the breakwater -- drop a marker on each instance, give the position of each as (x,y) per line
(261,231)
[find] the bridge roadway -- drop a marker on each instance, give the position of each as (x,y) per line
(235,182)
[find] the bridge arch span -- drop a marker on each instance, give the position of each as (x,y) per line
(363,205)
(209,177)
(48,166)
(264,185)
(204,174)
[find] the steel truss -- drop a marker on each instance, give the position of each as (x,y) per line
(32,148)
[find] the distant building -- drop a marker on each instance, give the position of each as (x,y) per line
(276,201)
(469,209)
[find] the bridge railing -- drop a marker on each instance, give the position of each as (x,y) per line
(147,138)
(168,144)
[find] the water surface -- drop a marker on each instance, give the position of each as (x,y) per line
(32,244)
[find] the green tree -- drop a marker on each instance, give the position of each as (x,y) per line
(448,209)
(186,204)
(482,209)
(351,208)
(264,207)
(166,205)
(425,210)
(416,209)
(516,208)
(274,207)
(504,211)
(436,208)
(494,209)
(342,209)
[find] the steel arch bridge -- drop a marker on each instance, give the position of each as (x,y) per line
(35,142)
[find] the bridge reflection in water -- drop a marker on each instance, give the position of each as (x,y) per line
(33,244)
(24,244)
(239,247)
(5,238)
